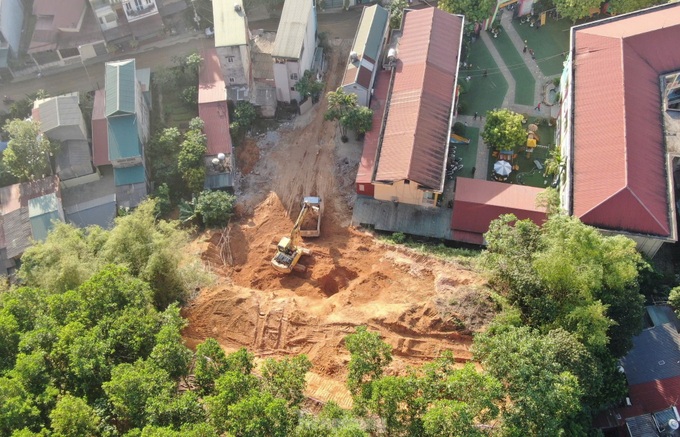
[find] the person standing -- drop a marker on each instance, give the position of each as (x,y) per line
(474,117)
(538,107)
(524,50)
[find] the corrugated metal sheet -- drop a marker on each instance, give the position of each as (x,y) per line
(59,111)
(41,225)
(230,24)
(123,141)
(129,196)
(367,41)
(653,346)
(120,87)
(620,180)
(100,131)
(372,137)
(129,175)
(478,202)
(211,86)
(218,181)
(290,35)
(17,232)
(73,160)
(416,132)
(216,127)
(99,215)
(43,205)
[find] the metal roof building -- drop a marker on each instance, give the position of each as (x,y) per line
(290,35)
(231,27)
(364,60)
(415,138)
(621,177)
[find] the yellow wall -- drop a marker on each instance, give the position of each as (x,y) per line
(402,193)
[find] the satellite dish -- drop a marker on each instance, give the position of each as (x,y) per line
(673,424)
(221,156)
(215,161)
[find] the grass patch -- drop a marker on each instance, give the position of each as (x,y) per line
(436,250)
(176,112)
(484,93)
(548,43)
(525,84)
(468,153)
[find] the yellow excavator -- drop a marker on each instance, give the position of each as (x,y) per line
(289,251)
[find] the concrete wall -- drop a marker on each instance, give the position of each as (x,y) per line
(362,93)
(403,193)
(563,136)
(236,72)
(11,23)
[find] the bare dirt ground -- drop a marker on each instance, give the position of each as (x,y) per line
(421,306)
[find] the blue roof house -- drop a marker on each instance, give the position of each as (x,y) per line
(127,118)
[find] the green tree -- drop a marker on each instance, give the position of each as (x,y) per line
(359,119)
(72,416)
(190,159)
(674,299)
(210,362)
(215,207)
(340,104)
(175,410)
(308,86)
(474,10)
(576,9)
(28,152)
(151,250)
(9,340)
(261,415)
(397,13)
(286,378)
(555,165)
(66,259)
(446,418)
(397,402)
(169,352)
(624,6)
(245,115)
(537,373)
(503,130)
(230,388)
(369,356)
(131,387)
(17,409)
(162,153)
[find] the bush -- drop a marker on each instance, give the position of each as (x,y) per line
(459,128)
(190,96)
(399,238)
(215,207)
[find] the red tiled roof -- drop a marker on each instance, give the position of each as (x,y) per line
(620,180)
(416,134)
(100,133)
(371,139)
(652,396)
(477,202)
(210,80)
(216,128)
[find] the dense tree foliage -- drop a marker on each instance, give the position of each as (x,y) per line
(340,104)
(625,6)
(214,208)
(503,130)
(28,152)
(474,10)
(576,9)
(148,248)
(308,86)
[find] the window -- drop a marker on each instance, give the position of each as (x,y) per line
(407,182)
(232,80)
(294,76)
(128,7)
(292,88)
(361,187)
(138,3)
(230,59)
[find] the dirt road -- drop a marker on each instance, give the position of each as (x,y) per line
(421,306)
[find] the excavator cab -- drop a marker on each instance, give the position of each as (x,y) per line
(289,250)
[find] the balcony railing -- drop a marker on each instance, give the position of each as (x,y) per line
(136,14)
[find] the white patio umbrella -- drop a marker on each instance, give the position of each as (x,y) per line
(502,168)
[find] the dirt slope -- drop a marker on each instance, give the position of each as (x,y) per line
(421,306)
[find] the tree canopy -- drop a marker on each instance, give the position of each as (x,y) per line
(503,130)
(576,9)
(474,10)
(28,152)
